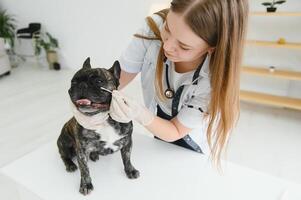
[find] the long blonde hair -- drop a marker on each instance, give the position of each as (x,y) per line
(222,24)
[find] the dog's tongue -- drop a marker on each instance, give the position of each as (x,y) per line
(85,102)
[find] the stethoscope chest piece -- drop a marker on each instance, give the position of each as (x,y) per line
(169,93)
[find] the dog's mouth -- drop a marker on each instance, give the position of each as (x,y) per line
(86,103)
(91,108)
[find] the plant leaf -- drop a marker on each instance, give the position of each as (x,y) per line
(7,27)
(266,4)
(280,2)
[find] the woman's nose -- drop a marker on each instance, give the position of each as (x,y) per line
(169,45)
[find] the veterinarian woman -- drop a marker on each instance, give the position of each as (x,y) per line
(189,58)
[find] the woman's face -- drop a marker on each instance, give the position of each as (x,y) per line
(180,43)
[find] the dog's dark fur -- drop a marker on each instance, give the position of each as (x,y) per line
(76,141)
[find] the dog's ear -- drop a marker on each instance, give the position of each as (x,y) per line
(115,69)
(86,64)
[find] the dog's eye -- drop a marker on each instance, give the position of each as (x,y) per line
(99,81)
(73,82)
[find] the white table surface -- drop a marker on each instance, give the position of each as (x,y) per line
(166,172)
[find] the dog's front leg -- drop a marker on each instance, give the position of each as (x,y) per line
(85,183)
(130,171)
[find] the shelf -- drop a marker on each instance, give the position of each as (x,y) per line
(273,44)
(268,99)
(292,14)
(265,71)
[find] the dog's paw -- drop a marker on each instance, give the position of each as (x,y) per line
(71,168)
(86,188)
(94,156)
(132,174)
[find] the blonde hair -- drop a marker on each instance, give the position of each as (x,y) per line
(222,24)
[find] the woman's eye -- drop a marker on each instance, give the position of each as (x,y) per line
(184,49)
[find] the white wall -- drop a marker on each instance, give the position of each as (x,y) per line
(102,29)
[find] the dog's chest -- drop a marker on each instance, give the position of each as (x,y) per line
(106,138)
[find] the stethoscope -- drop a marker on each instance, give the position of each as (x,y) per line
(175,96)
(169,92)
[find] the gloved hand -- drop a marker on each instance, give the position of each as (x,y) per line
(124,109)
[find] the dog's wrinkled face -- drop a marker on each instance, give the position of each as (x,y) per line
(85,91)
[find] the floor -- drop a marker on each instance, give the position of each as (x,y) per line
(34,107)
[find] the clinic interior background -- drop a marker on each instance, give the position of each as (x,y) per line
(102,29)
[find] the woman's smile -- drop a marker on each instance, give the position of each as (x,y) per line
(168,55)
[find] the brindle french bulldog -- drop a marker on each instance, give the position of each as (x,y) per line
(77,141)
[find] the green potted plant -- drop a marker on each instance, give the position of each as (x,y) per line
(271,5)
(7,36)
(50,45)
